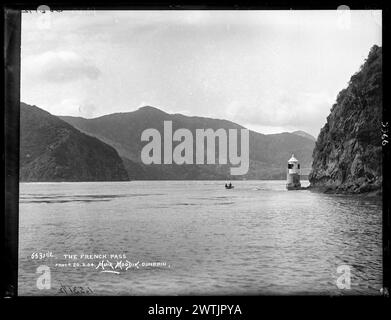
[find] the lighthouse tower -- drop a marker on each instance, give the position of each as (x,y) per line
(293,174)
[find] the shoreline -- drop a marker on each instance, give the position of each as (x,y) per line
(334,190)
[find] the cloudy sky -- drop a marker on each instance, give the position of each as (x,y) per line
(270,71)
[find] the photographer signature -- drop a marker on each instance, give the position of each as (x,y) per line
(74,290)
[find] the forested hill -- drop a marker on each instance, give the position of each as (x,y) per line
(53,150)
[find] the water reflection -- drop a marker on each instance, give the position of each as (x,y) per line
(255,239)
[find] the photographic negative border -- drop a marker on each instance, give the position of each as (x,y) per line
(12,42)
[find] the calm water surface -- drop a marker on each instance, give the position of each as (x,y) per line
(255,239)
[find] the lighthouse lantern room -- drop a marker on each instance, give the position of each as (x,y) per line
(293,174)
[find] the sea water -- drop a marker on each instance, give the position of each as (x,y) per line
(195,238)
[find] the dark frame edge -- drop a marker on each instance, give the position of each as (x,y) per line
(12,42)
(12,46)
(386,159)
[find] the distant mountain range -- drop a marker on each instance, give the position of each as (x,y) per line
(53,150)
(268,153)
(108,148)
(304,134)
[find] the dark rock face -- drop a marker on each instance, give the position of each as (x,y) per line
(348,152)
(53,150)
(268,153)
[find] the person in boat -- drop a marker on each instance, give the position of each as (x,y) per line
(228,186)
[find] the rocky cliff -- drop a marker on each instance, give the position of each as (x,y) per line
(348,153)
(53,150)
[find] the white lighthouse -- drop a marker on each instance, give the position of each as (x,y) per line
(293,174)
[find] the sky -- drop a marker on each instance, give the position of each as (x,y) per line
(270,71)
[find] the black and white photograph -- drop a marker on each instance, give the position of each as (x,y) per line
(201,153)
